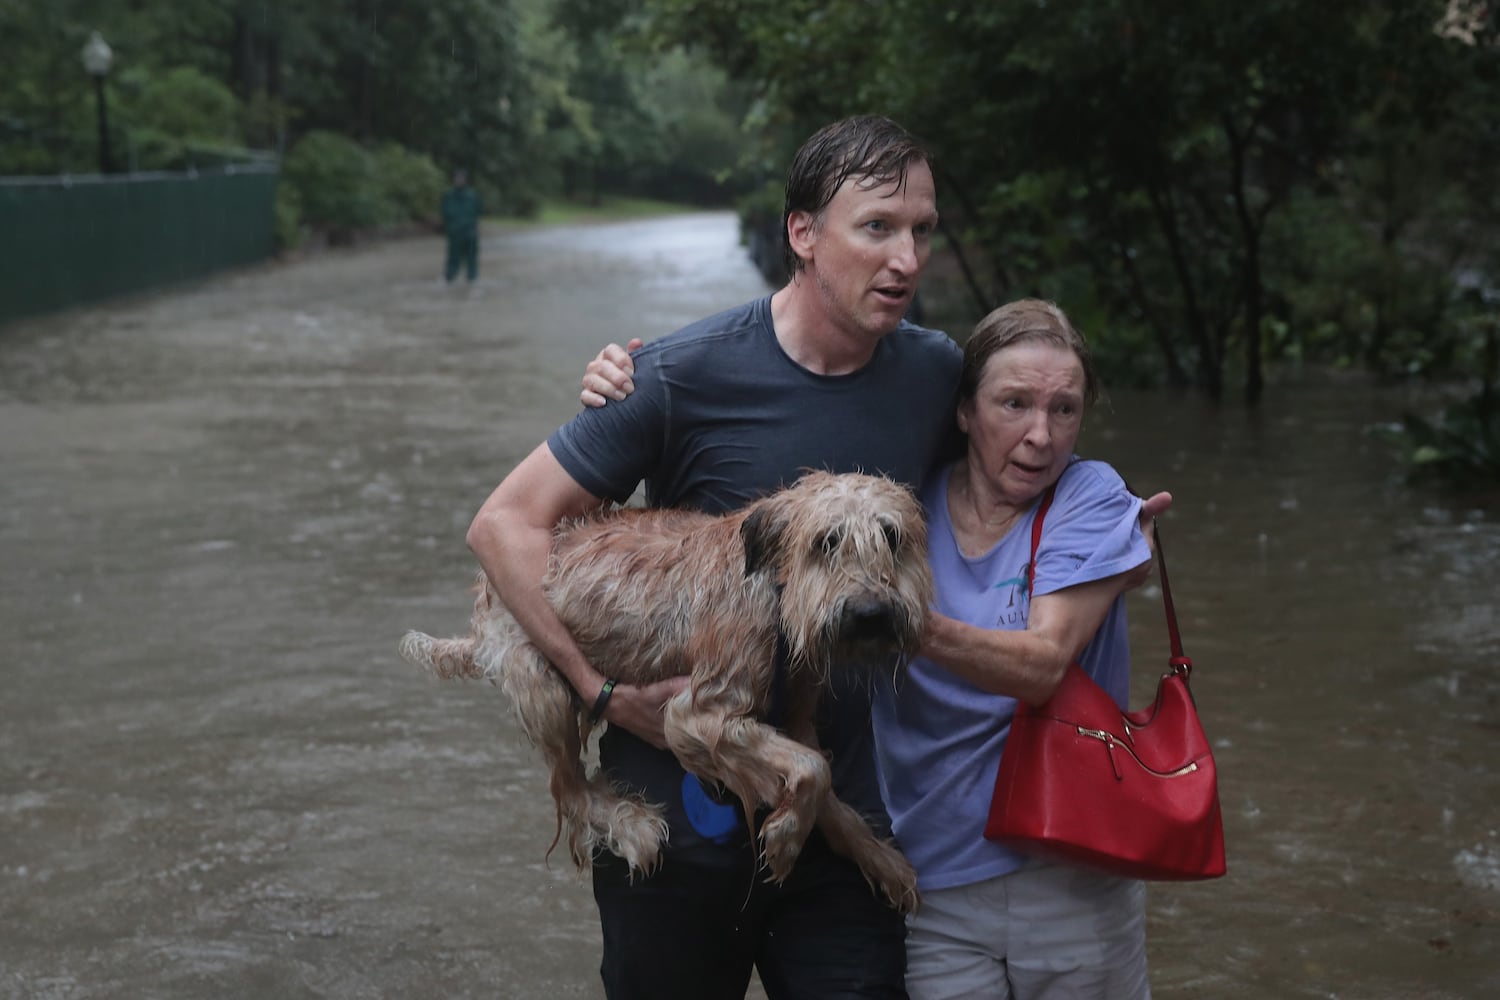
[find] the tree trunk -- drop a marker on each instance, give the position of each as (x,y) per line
(242,58)
(956,245)
(364,77)
(274,91)
(1176,376)
(1250,229)
(1254,307)
(981,301)
(1210,353)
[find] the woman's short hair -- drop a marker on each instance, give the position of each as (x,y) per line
(1019,322)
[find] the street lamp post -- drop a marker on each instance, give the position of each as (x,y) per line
(97,58)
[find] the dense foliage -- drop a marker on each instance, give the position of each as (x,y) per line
(529,107)
(1209,187)
(1221,182)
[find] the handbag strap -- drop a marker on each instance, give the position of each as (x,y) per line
(1179,662)
(1036,538)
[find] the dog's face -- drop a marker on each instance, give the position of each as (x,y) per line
(848,554)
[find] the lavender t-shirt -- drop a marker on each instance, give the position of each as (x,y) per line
(939,738)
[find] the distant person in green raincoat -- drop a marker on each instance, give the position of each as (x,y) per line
(461,211)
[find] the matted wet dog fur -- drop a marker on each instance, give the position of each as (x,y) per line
(836,564)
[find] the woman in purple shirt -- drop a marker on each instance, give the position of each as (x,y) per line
(994,923)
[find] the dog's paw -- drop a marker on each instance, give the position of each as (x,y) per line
(642,859)
(781,838)
(903,895)
(444,658)
(891,875)
(635,831)
(416,648)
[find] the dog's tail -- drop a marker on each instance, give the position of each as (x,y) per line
(446,658)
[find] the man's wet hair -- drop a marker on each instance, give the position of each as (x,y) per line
(866,147)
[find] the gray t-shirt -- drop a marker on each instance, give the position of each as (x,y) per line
(721,416)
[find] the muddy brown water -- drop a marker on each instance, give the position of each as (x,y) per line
(220,507)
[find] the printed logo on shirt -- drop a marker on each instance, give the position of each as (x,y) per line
(1011,614)
(1015,583)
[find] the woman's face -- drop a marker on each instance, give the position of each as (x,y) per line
(1024,419)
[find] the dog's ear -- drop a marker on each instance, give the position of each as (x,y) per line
(761,534)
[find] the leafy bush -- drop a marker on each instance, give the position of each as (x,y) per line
(411,185)
(287,223)
(341,188)
(185,104)
(336,185)
(174,119)
(1462,446)
(760,229)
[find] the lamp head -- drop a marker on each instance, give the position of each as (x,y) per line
(97,55)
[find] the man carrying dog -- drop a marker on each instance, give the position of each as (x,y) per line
(822,374)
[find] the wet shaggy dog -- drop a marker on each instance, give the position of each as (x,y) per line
(835,564)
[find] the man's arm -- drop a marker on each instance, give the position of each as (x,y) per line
(512,538)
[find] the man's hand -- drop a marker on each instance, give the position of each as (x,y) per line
(608,375)
(640,710)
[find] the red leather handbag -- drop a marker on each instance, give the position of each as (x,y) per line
(1133,794)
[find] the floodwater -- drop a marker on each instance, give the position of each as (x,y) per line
(220,508)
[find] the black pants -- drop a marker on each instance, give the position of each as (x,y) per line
(463,253)
(695,931)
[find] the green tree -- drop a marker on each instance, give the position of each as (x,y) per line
(1133,157)
(667,122)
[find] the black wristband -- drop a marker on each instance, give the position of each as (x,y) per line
(597,712)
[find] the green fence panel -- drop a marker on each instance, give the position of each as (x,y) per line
(66,241)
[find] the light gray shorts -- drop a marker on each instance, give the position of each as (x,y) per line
(1046,932)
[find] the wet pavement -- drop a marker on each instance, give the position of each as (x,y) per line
(220,507)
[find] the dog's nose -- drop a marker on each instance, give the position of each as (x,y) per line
(867,620)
